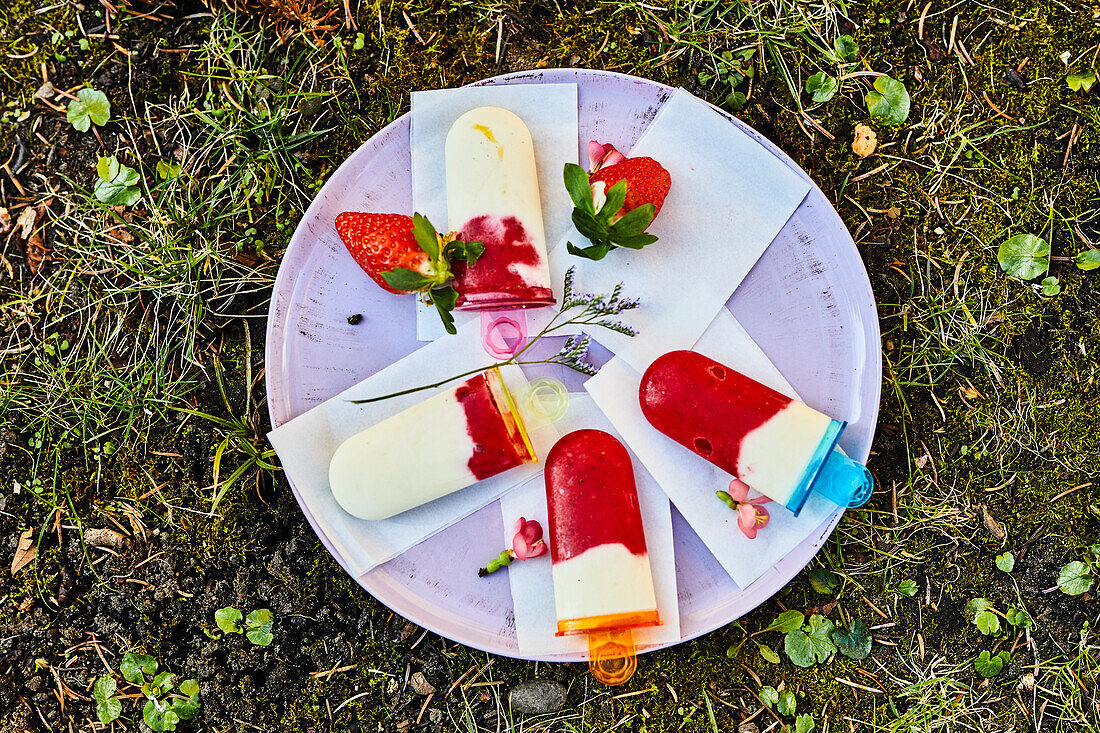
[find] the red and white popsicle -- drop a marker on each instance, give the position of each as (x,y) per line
(445,443)
(493,197)
(603,585)
(778,446)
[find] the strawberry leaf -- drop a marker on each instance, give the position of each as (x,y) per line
(576,183)
(616,197)
(425,236)
(635,221)
(403,278)
(595,252)
(588,225)
(468,251)
(444,300)
(635,242)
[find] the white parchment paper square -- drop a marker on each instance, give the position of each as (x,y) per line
(729,199)
(532,582)
(690,481)
(550,112)
(307,443)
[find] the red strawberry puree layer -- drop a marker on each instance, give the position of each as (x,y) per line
(591,498)
(490,282)
(705,406)
(498,444)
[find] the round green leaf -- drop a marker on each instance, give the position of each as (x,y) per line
(769,695)
(846,48)
(189,688)
(821,87)
(823,581)
(228,620)
(908,588)
(1005,562)
(989,666)
(804,723)
(134,665)
(1075,578)
(89,106)
(799,648)
(1088,260)
(1051,286)
(988,623)
(1024,256)
(855,643)
(107,707)
(787,703)
(889,101)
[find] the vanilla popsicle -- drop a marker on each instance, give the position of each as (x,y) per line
(493,197)
(445,443)
(603,585)
(778,446)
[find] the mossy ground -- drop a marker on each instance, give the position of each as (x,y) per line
(990,394)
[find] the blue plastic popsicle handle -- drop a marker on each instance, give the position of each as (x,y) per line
(844,481)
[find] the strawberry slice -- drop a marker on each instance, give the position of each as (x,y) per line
(617,201)
(405,254)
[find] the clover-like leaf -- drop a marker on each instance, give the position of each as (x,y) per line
(787,703)
(990,666)
(821,87)
(1050,286)
(889,101)
(1019,618)
(855,643)
(1082,80)
(908,588)
(89,106)
(787,621)
(1088,260)
(159,716)
(988,623)
(1024,256)
(135,666)
(259,627)
(1005,562)
(228,620)
(824,581)
(107,707)
(1075,578)
(769,695)
(117,184)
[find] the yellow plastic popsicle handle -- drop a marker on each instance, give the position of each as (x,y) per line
(611,656)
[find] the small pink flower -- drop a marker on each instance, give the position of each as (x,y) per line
(751,517)
(602,156)
(527,540)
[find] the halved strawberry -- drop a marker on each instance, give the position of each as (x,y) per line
(617,201)
(405,254)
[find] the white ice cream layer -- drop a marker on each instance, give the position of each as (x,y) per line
(491,172)
(415,456)
(603,580)
(774,457)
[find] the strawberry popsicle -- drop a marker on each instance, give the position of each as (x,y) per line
(603,585)
(778,446)
(493,197)
(443,444)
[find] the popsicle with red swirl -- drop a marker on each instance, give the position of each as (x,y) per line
(493,196)
(778,446)
(603,584)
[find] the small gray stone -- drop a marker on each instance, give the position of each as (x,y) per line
(537,697)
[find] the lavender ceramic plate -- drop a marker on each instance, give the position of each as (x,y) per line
(807,302)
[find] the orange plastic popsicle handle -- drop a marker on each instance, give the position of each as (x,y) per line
(611,656)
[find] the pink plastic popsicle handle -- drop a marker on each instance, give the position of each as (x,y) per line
(503,333)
